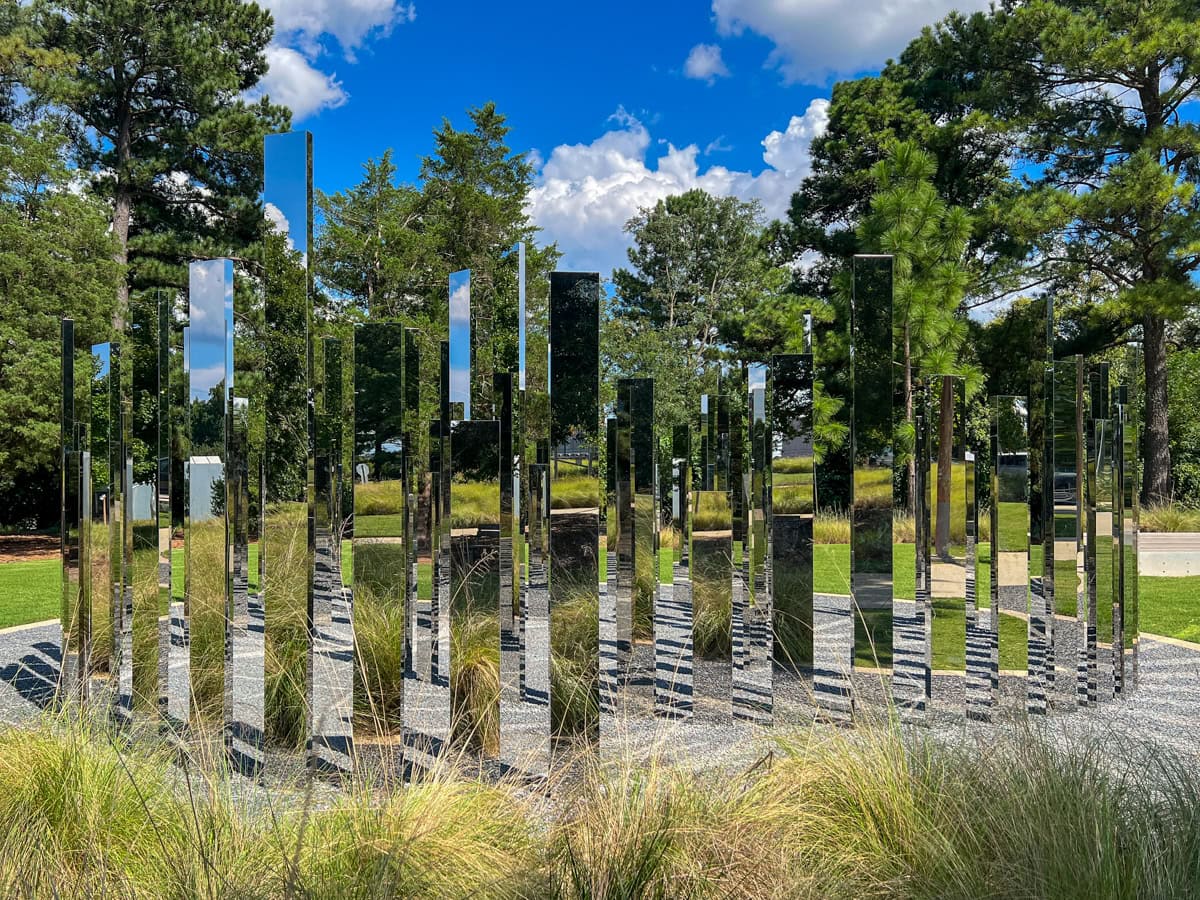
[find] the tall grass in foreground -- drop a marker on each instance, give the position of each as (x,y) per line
(859,814)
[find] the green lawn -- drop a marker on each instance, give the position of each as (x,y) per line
(31,592)
(1170,606)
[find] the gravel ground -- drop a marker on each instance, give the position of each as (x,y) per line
(1163,711)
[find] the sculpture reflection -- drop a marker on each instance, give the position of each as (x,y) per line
(461,350)
(872,427)
(1010,537)
(575,504)
(209,363)
(288,555)
(946,530)
(475,584)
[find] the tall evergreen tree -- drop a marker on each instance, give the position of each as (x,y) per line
(474,190)
(387,249)
(156,110)
(372,248)
(928,239)
(1103,85)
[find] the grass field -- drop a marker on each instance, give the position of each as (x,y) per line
(31,591)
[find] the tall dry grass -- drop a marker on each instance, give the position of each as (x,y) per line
(1168,517)
(869,813)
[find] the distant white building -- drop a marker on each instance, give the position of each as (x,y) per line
(143,502)
(202,473)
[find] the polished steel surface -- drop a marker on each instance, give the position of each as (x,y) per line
(873,375)
(575,501)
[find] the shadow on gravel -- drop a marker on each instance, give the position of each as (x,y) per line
(35,675)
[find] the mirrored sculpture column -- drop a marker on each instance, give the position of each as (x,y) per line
(148,587)
(207,533)
(530,739)
(673,666)
(712,561)
(617,597)
(331,666)
(104,528)
(753,693)
(1070,595)
(872,450)
(72,677)
(911,664)
(1041,509)
(978,650)
(1098,542)
(426,695)
(792,507)
(575,498)
(1010,537)
(1131,474)
(474,582)
(283,608)
(633,521)
(1120,400)
(378,561)
(178,686)
(949,531)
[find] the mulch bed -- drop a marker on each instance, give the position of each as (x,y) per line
(28,547)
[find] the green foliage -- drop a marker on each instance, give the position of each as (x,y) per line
(1094,93)
(704,289)
(699,282)
(387,250)
(55,261)
(1183,381)
(154,99)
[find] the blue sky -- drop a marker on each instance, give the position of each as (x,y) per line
(620,103)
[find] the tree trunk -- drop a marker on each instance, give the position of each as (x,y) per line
(1156,482)
(122,205)
(908,417)
(945,470)
(122,209)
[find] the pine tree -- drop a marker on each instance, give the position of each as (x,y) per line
(156,110)
(928,239)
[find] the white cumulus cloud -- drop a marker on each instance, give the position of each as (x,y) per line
(294,78)
(294,82)
(817,39)
(704,63)
(585,193)
(351,22)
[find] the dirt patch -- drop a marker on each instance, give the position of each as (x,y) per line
(28,547)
